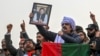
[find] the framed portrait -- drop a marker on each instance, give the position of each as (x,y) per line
(40,14)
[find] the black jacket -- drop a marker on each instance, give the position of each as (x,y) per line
(72,38)
(98,45)
(11,48)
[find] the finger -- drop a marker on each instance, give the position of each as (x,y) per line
(90,12)
(23,21)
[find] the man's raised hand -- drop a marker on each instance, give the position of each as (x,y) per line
(23,26)
(92,16)
(9,28)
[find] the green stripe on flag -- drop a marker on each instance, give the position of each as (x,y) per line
(70,49)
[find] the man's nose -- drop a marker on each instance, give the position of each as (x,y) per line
(28,43)
(64,24)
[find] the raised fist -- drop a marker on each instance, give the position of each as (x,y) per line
(22,26)
(31,15)
(92,16)
(60,33)
(9,28)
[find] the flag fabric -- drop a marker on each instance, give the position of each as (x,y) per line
(68,49)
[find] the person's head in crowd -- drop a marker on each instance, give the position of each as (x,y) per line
(4,48)
(91,30)
(46,27)
(83,36)
(42,11)
(78,28)
(40,38)
(6,52)
(29,45)
(68,25)
(3,44)
(21,44)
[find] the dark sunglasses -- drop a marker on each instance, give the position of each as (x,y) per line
(65,24)
(90,29)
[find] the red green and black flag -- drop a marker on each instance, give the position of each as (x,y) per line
(68,49)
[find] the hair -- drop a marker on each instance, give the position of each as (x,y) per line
(86,38)
(78,28)
(43,36)
(10,25)
(41,9)
(38,33)
(29,40)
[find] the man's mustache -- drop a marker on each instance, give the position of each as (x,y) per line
(64,27)
(27,46)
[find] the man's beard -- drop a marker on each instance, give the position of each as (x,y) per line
(4,47)
(28,48)
(91,35)
(38,41)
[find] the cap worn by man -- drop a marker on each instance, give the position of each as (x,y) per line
(70,21)
(92,26)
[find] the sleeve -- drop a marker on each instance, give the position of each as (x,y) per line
(98,44)
(9,45)
(47,34)
(24,35)
(96,25)
(70,39)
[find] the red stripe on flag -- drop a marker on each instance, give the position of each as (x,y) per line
(51,49)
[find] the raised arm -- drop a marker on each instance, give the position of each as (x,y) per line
(47,34)
(92,16)
(23,33)
(9,45)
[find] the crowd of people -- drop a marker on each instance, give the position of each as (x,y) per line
(70,33)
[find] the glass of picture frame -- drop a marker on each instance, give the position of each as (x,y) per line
(40,14)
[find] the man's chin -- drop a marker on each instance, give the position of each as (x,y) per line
(64,30)
(3,47)
(29,49)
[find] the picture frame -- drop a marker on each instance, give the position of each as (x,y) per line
(40,14)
